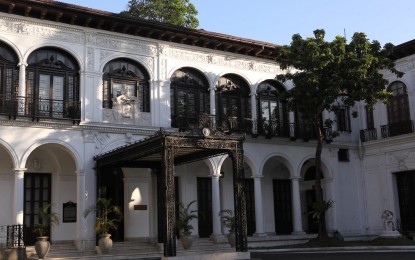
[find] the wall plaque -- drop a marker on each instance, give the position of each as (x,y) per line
(140,207)
(69,212)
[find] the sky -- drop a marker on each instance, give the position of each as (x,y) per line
(276,21)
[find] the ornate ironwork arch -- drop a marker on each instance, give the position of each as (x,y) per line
(161,152)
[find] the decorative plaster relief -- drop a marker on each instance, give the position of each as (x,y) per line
(405,65)
(45,31)
(228,61)
(100,139)
(125,44)
(401,159)
(104,54)
(90,57)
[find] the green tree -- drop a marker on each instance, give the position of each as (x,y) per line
(326,73)
(177,12)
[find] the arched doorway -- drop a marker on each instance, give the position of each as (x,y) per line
(50,178)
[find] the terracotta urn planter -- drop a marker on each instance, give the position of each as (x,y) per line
(42,246)
(187,240)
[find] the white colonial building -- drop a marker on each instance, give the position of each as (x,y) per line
(78,83)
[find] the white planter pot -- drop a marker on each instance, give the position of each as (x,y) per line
(105,243)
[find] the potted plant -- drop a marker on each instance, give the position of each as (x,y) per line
(228,220)
(47,218)
(108,217)
(183,223)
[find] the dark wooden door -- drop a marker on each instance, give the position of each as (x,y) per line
(282,206)
(112,187)
(204,204)
(250,206)
(37,193)
(406,194)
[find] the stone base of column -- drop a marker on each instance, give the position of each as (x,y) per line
(219,238)
(85,245)
(390,234)
(298,233)
(260,234)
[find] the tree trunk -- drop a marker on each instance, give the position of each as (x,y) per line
(322,230)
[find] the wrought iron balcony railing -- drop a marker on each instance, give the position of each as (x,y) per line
(37,108)
(399,128)
(273,128)
(226,125)
(368,135)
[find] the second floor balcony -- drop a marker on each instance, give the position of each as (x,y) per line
(40,108)
(268,129)
(388,130)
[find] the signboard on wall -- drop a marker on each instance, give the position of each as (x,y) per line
(69,212)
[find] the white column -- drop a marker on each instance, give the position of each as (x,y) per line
(292,124)
(18,195)
(215,206)
(259,213)
(254,112)
(82,197)
(212,104)
(22,88)
(296,206)
(212,100)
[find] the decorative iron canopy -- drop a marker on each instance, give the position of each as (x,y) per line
(187,146)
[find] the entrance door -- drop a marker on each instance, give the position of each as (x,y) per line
(406,194)
(111,186)
(37,193)
(204,204)
(282,206)
(250,206)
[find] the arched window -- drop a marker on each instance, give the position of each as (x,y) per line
(273,117)
(233,104)
(124,76)
(398,110)
(189,96)
(310,174)
(9,79)
(52,86)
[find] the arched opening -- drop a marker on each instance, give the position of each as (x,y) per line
(52,85)
(272,112)
(9,80)
(399,117)
(233,104)
(126,82)
(50,178)
(189,98)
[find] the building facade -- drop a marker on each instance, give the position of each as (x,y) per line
(77,83)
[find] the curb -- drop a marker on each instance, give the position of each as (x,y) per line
(340,249)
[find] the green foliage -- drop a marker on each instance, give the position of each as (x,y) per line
(47,219)
(323,72)
(320,208)
(185,216)
(177,12)
(228,219)
(109,215)
(328,74)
